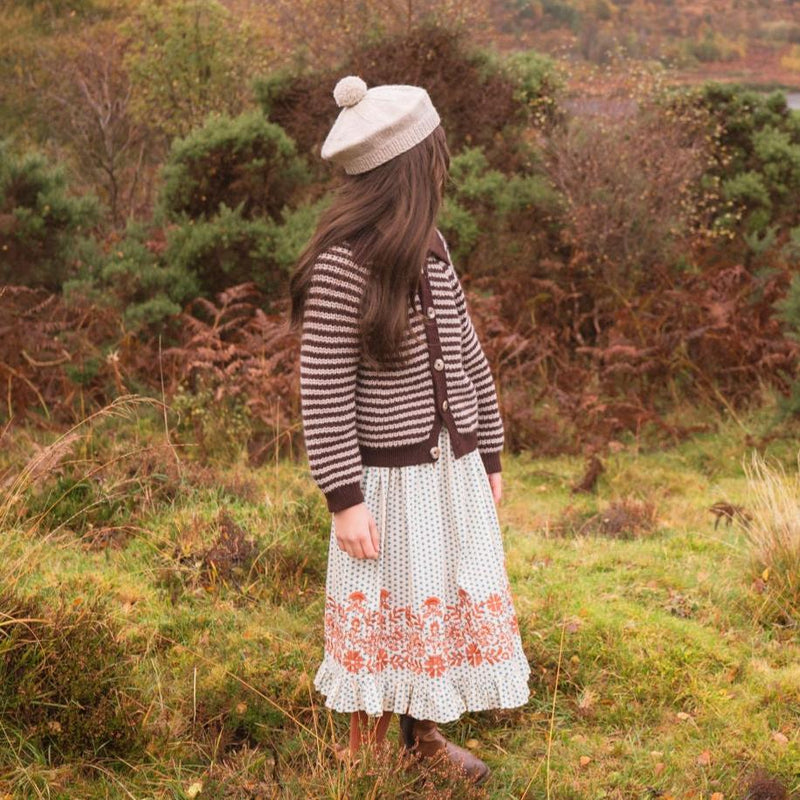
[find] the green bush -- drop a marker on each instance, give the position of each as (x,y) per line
(756,153)
(748,189)
(559,13)
(228,190)
(243,161)
(779,154)
(791,249)
(42,227)
(133,276)
(537,84)
(211,429)
(484,203)
(788,312)
(187,59)
(224,250)
(297,228)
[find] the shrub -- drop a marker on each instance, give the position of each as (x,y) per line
(788,311)
(558,13)
(714,47)
(246,362)
(297,228)
(597,43)
(779,153)
(42,228)
(487,206)
(213,429)
(187,59)
(228,188)
(754,155)
(49,343)
(627,184)
(224,250)
(147,289)
(537,85)
(65,680)
(243,162)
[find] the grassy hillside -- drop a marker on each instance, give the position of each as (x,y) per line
(193,594)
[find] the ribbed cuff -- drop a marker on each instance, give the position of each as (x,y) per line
(343,497)
(491,461)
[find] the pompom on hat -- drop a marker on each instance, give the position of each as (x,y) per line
(377,124)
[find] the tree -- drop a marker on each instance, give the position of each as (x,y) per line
(87,96)
(187,59)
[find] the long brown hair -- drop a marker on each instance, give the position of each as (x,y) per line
(387,216)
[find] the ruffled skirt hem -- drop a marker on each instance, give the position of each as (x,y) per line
(442,699)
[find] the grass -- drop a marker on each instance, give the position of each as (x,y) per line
(655,672)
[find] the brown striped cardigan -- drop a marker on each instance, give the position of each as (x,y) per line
(354,416)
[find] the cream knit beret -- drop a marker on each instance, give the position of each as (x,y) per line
(376,124)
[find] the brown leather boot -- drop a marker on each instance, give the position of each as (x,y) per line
(424,739)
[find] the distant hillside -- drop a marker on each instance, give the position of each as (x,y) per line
(751,42)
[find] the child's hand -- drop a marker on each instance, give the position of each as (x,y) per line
(356,531)
(496,482)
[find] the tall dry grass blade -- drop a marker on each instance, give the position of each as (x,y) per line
(773,535)
(49,457)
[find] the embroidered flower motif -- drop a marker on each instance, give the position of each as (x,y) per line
(433,605)
(474,654)
(381,660)
(434,666)
(425,640)
(494,603)
(353,661)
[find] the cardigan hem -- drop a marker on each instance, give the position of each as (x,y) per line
(419,452)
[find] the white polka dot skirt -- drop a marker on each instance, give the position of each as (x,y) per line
(428,628)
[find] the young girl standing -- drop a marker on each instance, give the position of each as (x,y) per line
(403,435)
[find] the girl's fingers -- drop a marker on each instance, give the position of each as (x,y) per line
(358,550)
(375,537)
(495,482)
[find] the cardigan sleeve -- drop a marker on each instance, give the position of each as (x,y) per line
(329,358)
(490,424)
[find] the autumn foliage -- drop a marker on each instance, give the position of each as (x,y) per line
(617,264)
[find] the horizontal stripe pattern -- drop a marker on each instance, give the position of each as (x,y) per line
(349,409)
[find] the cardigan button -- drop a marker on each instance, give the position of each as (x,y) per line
(438,365)
(435,452)
(445,405)
(431,312)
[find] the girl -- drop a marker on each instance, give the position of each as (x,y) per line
(403,436)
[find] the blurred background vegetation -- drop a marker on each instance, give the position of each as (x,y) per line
(623,212)
(628,233)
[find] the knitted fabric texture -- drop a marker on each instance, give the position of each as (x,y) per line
(377,124)
(354,415)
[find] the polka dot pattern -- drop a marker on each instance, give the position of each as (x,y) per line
(428,628)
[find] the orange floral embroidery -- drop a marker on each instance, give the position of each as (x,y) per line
(474,654)
(428,640)
(494,603)
(353,661)
(434,666)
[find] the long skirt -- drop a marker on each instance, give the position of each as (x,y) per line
(428,628)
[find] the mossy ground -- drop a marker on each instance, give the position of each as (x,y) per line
(655,672)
